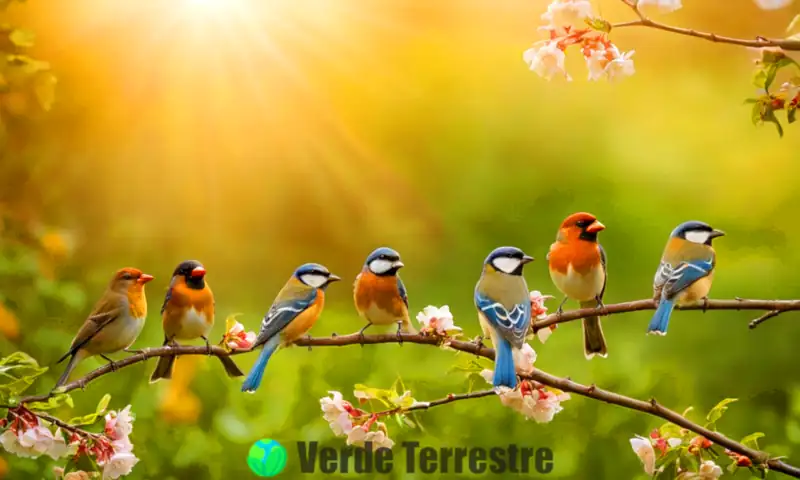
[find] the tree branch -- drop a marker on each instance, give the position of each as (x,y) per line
(453,397)
(652,407)
(758,42)
(779,306)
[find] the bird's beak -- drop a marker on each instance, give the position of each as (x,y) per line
(527,259)
(144,278)
(595,227)
(198,272)
(398,264)
(333,278)
(716,233)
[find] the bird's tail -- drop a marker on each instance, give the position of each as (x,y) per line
(505,374)
(594,342)
(253,379)
(230,367)
(163,368)
(660,321)
(74,360)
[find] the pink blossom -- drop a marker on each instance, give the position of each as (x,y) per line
(567,13)
(547,60)
(119,424)
(236,337)
(437,321)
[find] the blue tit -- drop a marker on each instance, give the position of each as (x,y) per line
(293,313)
(379,294)
(504,308)
(686,271)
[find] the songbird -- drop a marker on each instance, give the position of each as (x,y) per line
(578,269)
(504,308)
(292,314)
(187,314)
(379,294)
(686,271)
(115,322)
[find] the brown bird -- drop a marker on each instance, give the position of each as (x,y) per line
(187,314)
(115,322)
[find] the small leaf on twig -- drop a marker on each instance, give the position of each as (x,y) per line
(720,408)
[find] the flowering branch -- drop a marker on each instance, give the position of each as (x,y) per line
(758,42)
(453,397)
(652,407)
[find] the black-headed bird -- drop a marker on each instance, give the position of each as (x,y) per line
(115,322)
(686,271)
(577,266)
(379,294)
(188,314)
(293,313)
(504,308)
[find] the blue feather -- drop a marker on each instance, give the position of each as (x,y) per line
(660,320)
(253,380)
(504,372)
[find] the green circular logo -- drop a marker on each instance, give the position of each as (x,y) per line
(267,458)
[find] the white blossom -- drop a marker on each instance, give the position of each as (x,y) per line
(524,358)
(644,449)
(118,465)
(664,6)
(772,4)
(546,59)
(565,13)
(437,320)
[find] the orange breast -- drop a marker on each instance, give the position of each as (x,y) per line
(379,290)
(304,321)
(137,302)
(582,255)
(184,299)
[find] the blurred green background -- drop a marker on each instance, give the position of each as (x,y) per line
(255,136)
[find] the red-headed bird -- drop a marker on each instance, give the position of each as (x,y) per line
(292,314)
(379,294)
(578,269)
(188,314)
(115,322)
(686,271)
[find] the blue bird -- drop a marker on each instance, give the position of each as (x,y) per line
(504,308)
(293,313)
(686,271)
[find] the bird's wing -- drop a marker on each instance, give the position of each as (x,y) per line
(402,291)
(282,313)
(605,269)
(108,309)
(168,296)
(513,324)
(685,274)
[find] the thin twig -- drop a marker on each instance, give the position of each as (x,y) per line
(758,42)
(649,304)
(763,318)
(453,397)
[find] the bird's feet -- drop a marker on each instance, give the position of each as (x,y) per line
(208,345)
(560,309)
(705,304)
(398,334)
(308,337)
(361,333)
(133,351)
(478,342)
(111,363)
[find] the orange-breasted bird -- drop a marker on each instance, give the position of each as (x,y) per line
(686,271)
(578,268)
(115,322)
(379,294)
(292,314)
(188,314)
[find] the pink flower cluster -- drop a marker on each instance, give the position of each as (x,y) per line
(566,25)
(237,337)
(538,403)
(27,437)
(353,423)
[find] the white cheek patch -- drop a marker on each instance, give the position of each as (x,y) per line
(506,264)
(380,266)
(697,236)
(314,280)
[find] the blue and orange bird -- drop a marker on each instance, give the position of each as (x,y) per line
(293,313)
(504,308)
(187,314)
(115,322)
(686,271)
(379,294)
(577,265)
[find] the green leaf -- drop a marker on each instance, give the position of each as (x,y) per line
(22,38)
(102,405)
(385,396)
(18,371)
(752,440)
(599,24)
(769,117)
(755,113)
(92,417)
(55,401)
(791,114)
(751,100)
(720,408)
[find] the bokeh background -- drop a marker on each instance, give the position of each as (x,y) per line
(256,136)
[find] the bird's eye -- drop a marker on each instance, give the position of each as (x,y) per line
(582,223)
